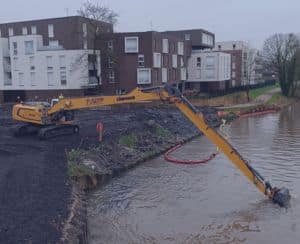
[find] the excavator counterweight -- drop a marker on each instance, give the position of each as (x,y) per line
(57,120)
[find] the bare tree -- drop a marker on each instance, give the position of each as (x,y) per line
(94,13)
(98,12)
(281,56)
(249,69)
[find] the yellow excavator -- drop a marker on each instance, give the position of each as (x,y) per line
(57,119)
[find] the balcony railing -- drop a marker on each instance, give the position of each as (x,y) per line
(50,48)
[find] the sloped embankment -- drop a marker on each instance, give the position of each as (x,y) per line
(138,135)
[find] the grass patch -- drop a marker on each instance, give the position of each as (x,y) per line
(254,93)
(75,167)
(162,132)
(274,98)
(128,141)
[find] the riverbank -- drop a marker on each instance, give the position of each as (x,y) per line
(131,135)
(159,202)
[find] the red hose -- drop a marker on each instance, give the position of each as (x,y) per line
(168,158)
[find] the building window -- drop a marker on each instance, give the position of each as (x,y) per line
(24,30)
(31,63)
(85,44)
(234,46)
(143,76)
(50,31)
(233,65)
(198,73)
(219,47)
(233,83)
(15,48)
(28,47)
(84,29)
(180,48)
(209,74)
(174,61)
(165,45)
(141,60)
(21,79)
(111,76)
(16,68)
(62,62)
(53,43)
(50,79)
(181,62)
(110,45)
(110,62)
(33,30)
(164,75)
(187,37)
(131,44)
(183,74)
(63,78)
(32,79)
(156,60)
(210,62)
(49,63)
(233,74)
(198,62)
(207,39)
(10,31)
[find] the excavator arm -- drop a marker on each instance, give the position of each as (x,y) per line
(52,116)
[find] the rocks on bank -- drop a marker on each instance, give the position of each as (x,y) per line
(137,134)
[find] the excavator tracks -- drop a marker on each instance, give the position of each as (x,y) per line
(25,129)
(57,130)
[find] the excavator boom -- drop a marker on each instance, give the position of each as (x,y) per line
(61,114)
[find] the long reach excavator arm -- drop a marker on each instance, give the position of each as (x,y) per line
(56,120)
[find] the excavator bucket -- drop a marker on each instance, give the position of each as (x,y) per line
(282,197)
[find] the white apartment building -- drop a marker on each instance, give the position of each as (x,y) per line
(209,70)
(44,58)
(245,62)
(28,65)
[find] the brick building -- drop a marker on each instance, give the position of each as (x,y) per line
(141,59)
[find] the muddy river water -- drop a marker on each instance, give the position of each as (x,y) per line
(159,202)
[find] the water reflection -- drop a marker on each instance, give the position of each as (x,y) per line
(159,202)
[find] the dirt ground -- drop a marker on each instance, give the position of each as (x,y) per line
(35,191)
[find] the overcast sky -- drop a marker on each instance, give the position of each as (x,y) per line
(252,21)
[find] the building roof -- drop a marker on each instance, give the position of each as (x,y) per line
(48,20)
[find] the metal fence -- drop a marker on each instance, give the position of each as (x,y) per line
(241,88)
